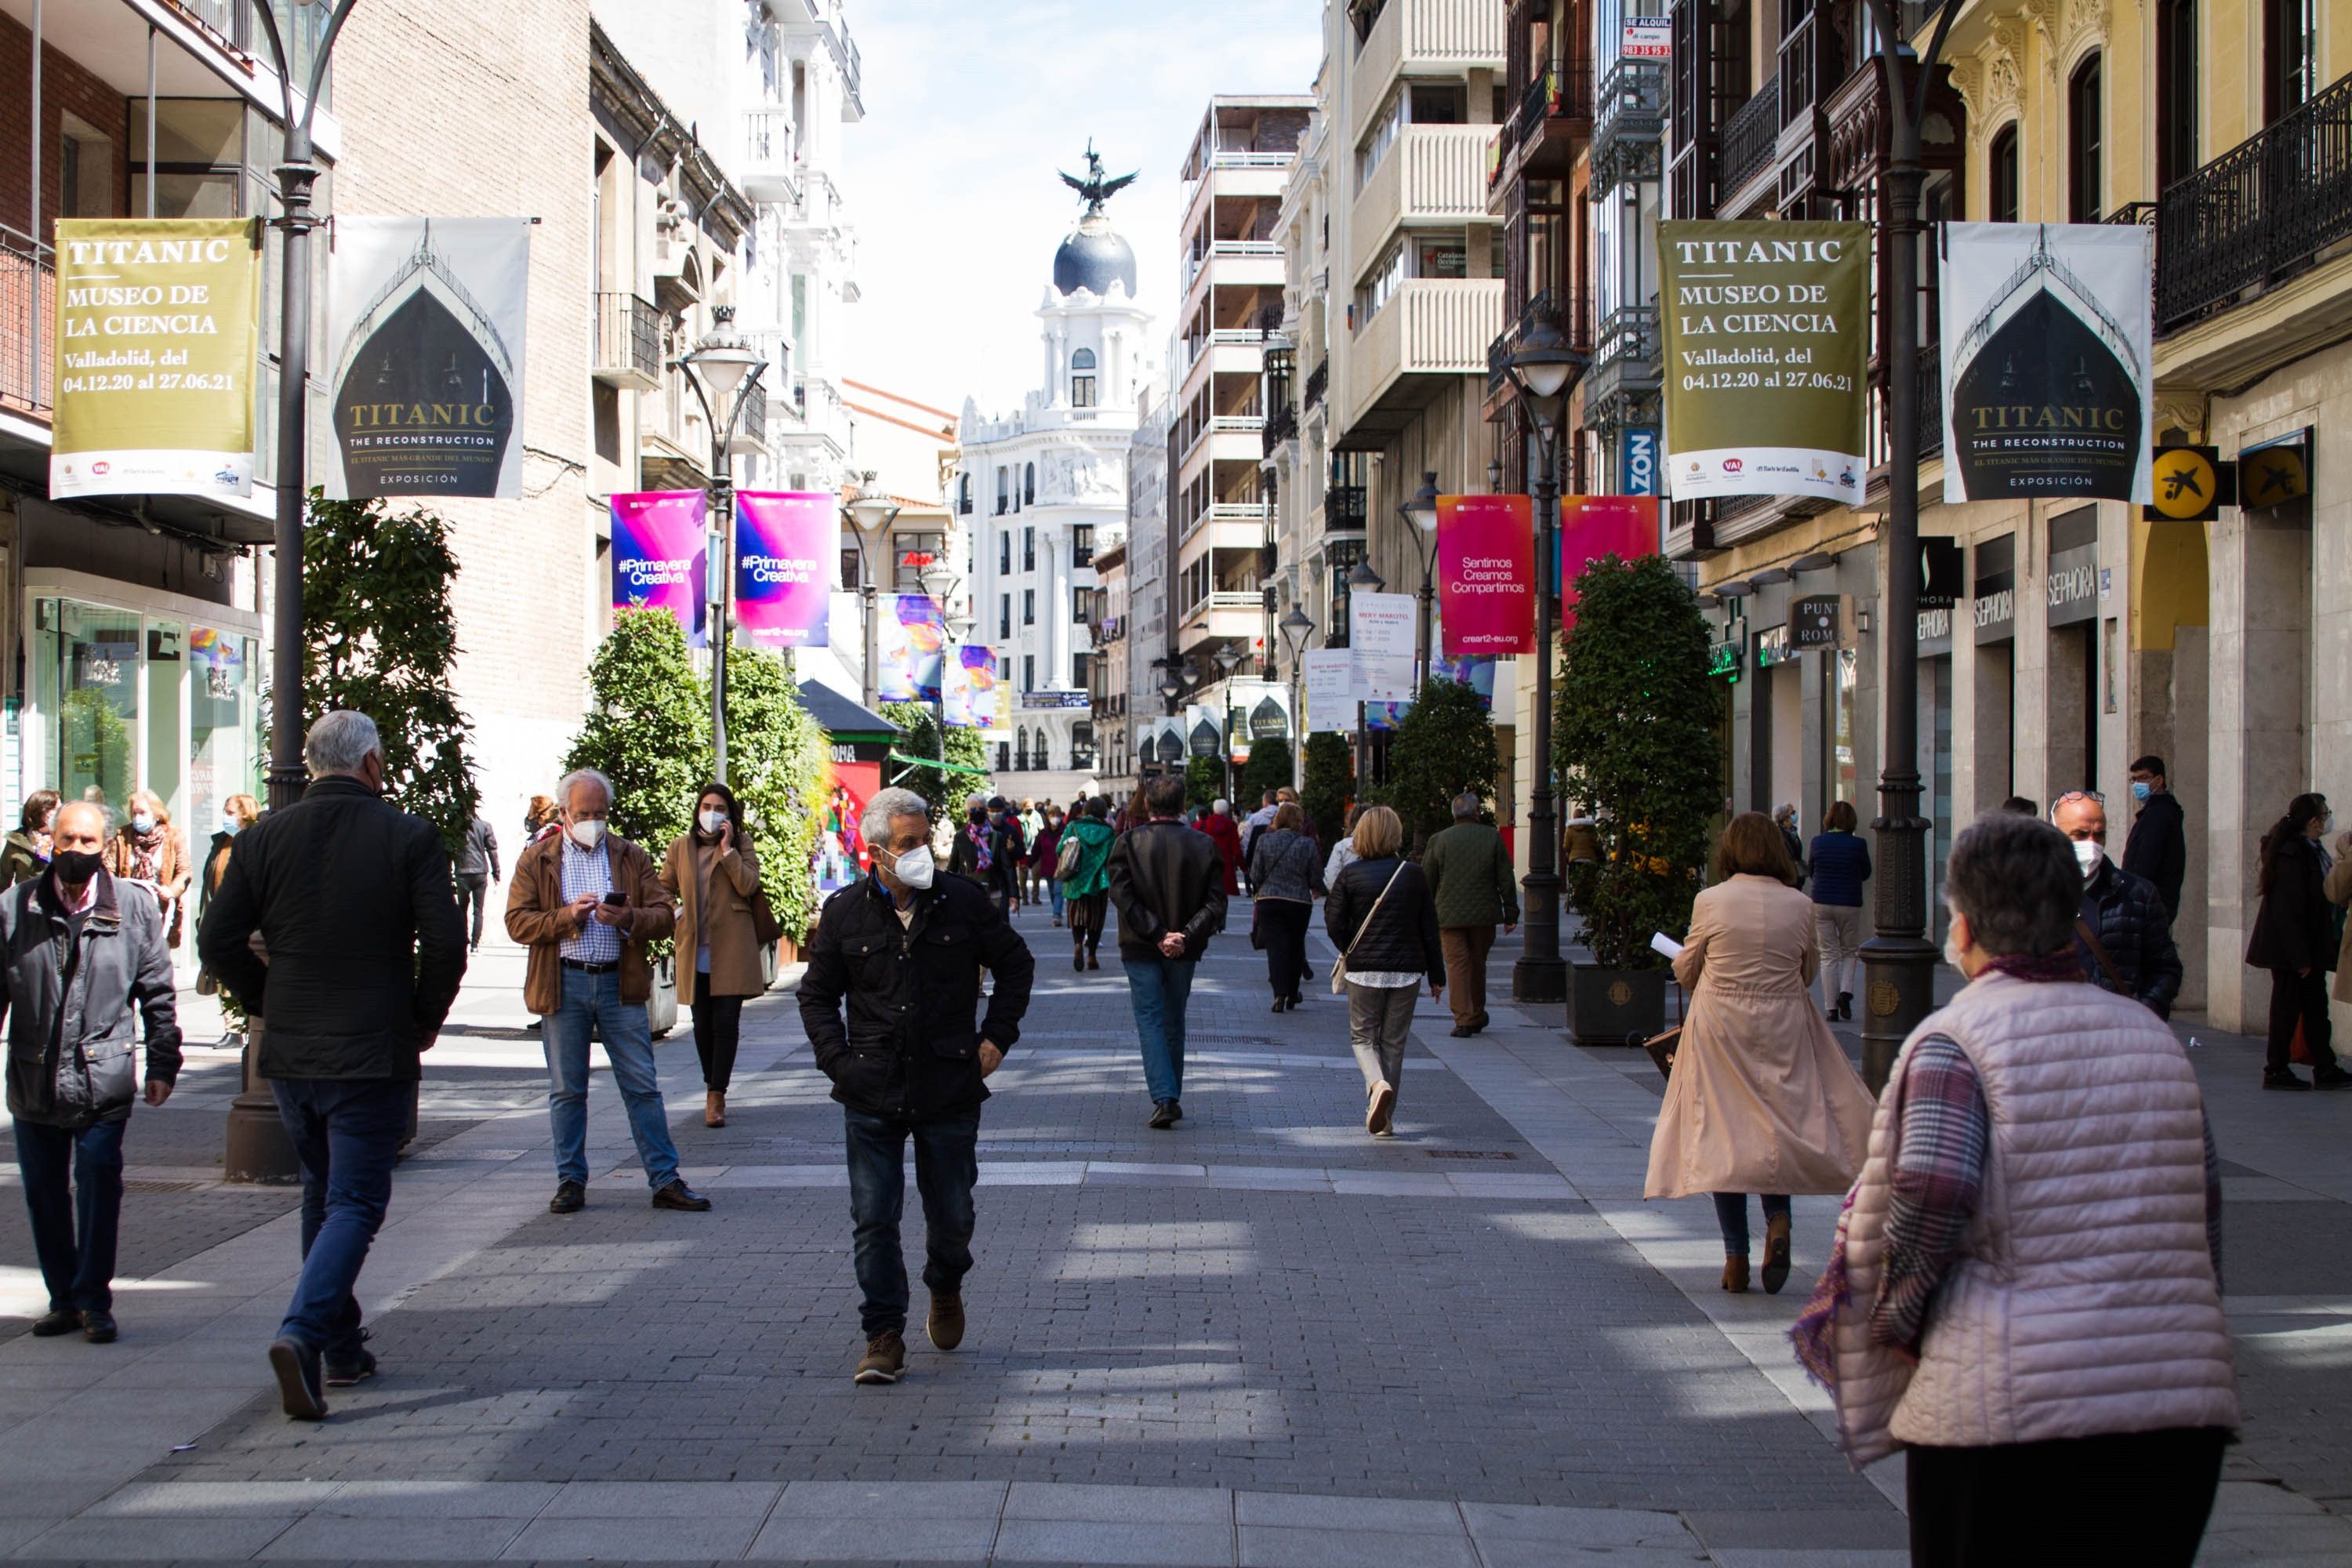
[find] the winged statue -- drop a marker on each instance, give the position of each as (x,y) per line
(1096,189)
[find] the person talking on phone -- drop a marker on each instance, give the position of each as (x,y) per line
(585,901)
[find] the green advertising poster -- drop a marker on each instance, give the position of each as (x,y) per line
(1766,331)
(158,333)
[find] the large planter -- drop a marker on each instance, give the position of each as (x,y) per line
(1614,1006)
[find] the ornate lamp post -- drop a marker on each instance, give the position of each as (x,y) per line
(1421,513)
(870,512)
(1363,579)
(1296,628)
(721,368)
(1540,369)
(940,581)
(1227,657)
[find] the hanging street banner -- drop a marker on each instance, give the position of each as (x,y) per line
(425,339)
(2049,362)
(1485,574)
(968,695)
(911,636)
(1766,332)
(1379,639)
(661,555)
(1593,526)
(783,575)
(158,332)
(1476,671)
(1330,691)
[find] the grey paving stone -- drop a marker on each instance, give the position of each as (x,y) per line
(1565,1554)
(1129,1505)
(214,1500)
(1383,1514)
(439,1499)
(662,1499)
(328,1538)
(152,1540)
(1749,1529)
(882,1537)
(1816,1557)
(1278,1546)
(1106,1541)
(1584,1527)
(646,1538)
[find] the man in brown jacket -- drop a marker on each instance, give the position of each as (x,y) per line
(585,903)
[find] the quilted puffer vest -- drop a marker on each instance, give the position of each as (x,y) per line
(2084,1300)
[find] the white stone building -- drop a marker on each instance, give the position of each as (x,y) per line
(1041,489)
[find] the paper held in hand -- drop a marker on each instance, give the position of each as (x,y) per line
(1661,942)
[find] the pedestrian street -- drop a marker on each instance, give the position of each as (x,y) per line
(1261,1338)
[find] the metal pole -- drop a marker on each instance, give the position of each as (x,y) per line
(34,361)
(722,511)
(1898,962)
(872,638)
(1421,611)
(1541,975)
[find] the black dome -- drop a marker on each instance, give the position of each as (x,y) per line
(1093,258)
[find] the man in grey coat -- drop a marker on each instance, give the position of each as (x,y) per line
(82,958)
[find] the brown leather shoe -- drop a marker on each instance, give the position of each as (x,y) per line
(714,1108)
(886,1358)
(945,1325)
(1734,1275)
(1776,1253)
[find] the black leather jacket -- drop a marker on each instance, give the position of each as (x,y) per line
(909,1049)
(2128,914)
(1166,877)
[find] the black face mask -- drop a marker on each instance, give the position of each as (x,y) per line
(76,867)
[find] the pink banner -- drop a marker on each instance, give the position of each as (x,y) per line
(1593,526)
(661,552)
(784,546)
(1485,574)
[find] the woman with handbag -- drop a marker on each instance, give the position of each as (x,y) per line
(713,872)
(1762,1099)
(1285,877)
(1383,919)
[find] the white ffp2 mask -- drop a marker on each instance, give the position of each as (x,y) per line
(587,833)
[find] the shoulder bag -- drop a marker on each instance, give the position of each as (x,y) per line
(1073,855)
(1339,970)
(2083,929)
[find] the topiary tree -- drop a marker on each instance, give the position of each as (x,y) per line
(780,763)
(1329,783)
(946,791)
(648,727)
(1268,768)
(378,636)
(1204,780)
(1443,745)
(1634,738)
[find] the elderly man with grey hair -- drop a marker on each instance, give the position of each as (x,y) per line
(1469,871)
(351,899)
(585,901)
(903,948)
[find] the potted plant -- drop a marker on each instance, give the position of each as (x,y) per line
(1443,746)
(1634,742)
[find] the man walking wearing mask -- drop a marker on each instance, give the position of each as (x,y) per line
(81,956)
(903,948)
(2124,934)
(586,902)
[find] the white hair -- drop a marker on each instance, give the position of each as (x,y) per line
(887,806)
(1466,806)
(579,776)
(340,743)
(1221,806)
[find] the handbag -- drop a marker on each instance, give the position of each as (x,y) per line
(766,929)
(1339,965)
(1663,1045)
(1257,927)
(1067,863)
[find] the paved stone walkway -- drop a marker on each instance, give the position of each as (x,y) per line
(1261,1339)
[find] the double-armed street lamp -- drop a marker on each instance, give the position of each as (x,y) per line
(869,513)
(1296,628)
(722,368)
(1540,369)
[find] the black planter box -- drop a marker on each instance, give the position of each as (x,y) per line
(1614,1006)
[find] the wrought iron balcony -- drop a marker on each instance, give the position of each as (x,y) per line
(628,342)
(1629,117)
(1281,426)
(28,313)
(1344,510)
(2258,213)
(1555,115)
(1627,371)
(1751,136)
(1318,381)
(1574,317)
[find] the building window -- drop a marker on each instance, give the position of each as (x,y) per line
(913,551)
(1003,756)
(199,157)
(1020,749)
(963,494)
(1004,553)
(1079,598)
(2289,55)
(1000,492)
(1028,672)
(1029,483)
(2000,176)
(1028,549)
(853,569)
(1028,607)
(1082,379)
(2084,119)
(1004,617)
(2176,90)
(1082,744)
(1081,666)
(1082,544)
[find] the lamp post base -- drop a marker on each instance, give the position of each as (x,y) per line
(256,1148)
(1539,980)
(1898,975)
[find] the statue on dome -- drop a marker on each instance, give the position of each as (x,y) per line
(1096,189)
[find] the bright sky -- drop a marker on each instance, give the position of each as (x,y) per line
(969,109)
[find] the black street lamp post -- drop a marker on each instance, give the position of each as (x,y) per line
(1540,369)
(1420,514)
(870,512)
(722,368)
(1296,628)
(1362,580)
(256,1147)
(1898,962)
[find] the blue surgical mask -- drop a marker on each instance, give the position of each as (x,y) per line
(2142,789)
(143,823)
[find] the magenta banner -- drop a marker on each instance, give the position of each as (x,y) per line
(1593,526)
(1487,575)
(661,555)
(910,639)
(970,695)
(783,543)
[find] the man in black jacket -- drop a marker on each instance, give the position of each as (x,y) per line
(2157,850)
(1168,883)
(905,947)
(2133,932)
(478,867)
(351,899)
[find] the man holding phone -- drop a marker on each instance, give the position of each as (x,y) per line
(585,902)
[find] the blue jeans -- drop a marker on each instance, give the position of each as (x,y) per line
(1731,1217)
(1159,988)
(1054,889)
(74,1226)
(629,1046)
(947,1164)
(347,1133)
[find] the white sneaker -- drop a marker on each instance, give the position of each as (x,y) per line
(1376,1114)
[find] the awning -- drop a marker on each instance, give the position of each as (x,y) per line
(844,719)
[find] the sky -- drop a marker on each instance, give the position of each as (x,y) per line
(971,107)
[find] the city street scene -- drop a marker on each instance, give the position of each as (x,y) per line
(1284,785)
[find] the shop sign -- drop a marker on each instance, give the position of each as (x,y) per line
(1943,573)
(2275,472)
(1936,629)
(2071,592)
(1993,595)
(1647,38)
(1822,620)
(1056,699)
(2191,485)
(1772,647)
(1637,473)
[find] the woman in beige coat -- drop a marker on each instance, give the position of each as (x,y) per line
(1762,1099)
(714,873)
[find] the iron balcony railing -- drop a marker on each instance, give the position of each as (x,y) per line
(1344,510)
(2262,210)
(1281,426)
(628,338)
(28,313)
(1575,321)
(1751,136)
(1629,116)
(1562,90)
(1318,381)
(1626,365)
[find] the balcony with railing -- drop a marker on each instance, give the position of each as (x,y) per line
(1430,326)
(1622,385)
(628,342)
(28,313)
(1318,381)
(1860,126)
(1555,117)
(1433,35)
(2258,215)
(770,152)
(1345,510)
(1750,138)
(750,437)
(1574,319)
(1629,122)
(1431,174)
